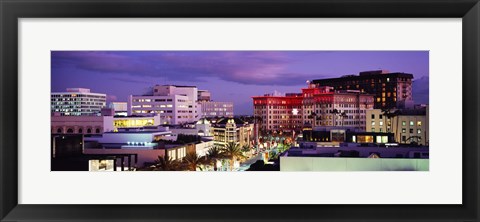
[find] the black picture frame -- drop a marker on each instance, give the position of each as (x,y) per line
(11,11)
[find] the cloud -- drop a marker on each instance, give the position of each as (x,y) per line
(245,67)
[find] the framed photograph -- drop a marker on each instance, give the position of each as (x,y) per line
(227,110)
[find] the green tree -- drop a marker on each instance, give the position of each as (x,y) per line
(232,151)
(246,148)
(167,164)
(214,154)
(193,160)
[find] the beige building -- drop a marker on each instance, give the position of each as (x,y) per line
(77,124)
(408,126)
(232,130)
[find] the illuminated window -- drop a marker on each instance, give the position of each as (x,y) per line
(404,123)
(419,131)
(411,123)
(404,130)
(381,123)
(419,123)
(373,123)
(364,139)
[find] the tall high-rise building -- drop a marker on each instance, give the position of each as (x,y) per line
(390,90)
(174,104)
(77,102)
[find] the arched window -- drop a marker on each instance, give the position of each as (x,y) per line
(59,130)
(80,130)
(97,131)
(89,130)
(70,130)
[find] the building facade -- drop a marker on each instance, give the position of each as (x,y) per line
(232,130)
(77,124)
(390,90)
(408,126)
(77,102)
(99,124)
(315,106)
(174,104)
(276,112)
(216,109)
(324,106)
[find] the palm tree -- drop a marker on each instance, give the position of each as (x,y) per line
(313,116)
(246,149)
(213,155)
(192,160)
(233,152)
(335,112)
(167,164)
(388,114)
(343,115)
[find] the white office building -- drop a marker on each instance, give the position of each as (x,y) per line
(216,109)
(77,102)
(174,104)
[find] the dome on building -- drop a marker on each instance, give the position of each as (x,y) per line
(203,121)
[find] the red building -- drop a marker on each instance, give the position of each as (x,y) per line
(276,112)
(315,106)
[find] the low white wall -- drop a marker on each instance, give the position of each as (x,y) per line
(143,155)
(352,164)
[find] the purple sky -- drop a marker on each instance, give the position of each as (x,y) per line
(228,75)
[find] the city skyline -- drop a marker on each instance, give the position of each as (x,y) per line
(229,75)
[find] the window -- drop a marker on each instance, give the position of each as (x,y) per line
(419,131)
(381,123)
(404,138)
(89,130)
(373,116)
(97,131)
(70,130)
(404,123)
(411,123)
(59,130)
(373,129)
(419,123)
(404,130)
(373,123)
(80,130)
(411,130)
